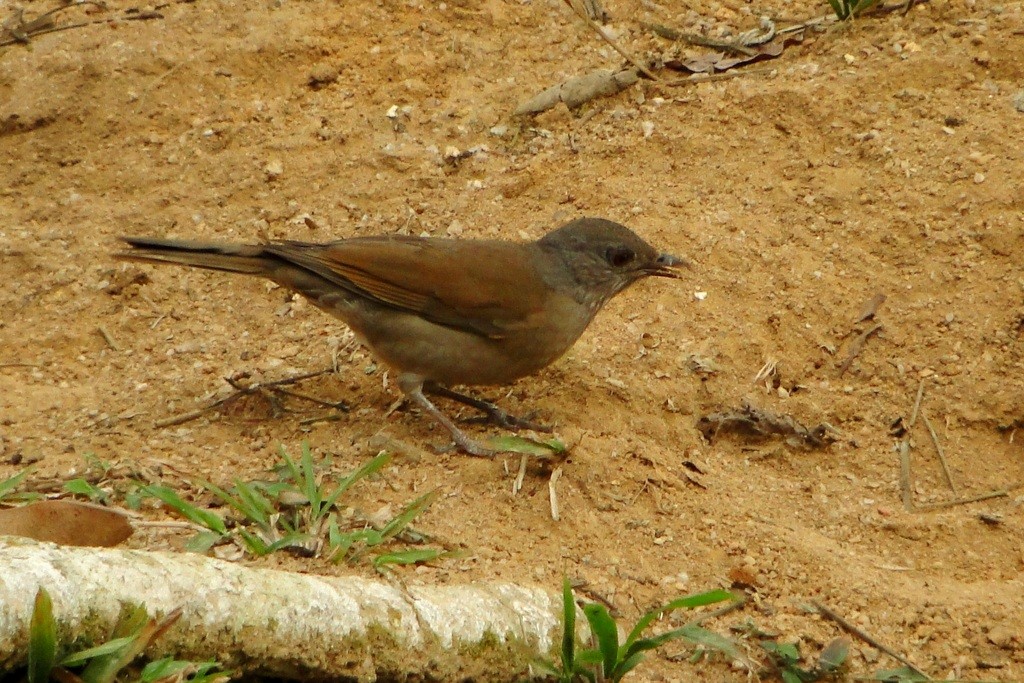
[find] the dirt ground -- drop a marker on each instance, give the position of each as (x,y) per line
(879,157)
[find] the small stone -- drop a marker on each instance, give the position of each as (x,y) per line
(648,128)
(979,178)
(321,75)
(850,59)
(274,168)
(1018,101)
(1002,636)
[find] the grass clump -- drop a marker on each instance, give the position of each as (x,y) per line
(848,9)
(113,659)
(299,512)
(610,660)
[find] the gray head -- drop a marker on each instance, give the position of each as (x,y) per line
(604,257)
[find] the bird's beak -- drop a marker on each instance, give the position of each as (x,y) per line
(666,265)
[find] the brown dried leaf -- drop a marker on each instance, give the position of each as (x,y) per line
(66,522)
(714,62)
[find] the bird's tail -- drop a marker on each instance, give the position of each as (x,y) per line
(233,258)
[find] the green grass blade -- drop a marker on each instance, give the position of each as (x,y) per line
(607,634)
(80,487)
(688,602)
(834,655)
(293,470)
(102,650)
(790,676)
(627,665)
(568,630)
(172,669)
(705,638)
(256,507)
(253,543)
(405,517)
(862,6)
(8,485)
(140,631)
(524,446)
(366,469)
(292,539)
(42,643)
(187,510)
(839,8)
(588,667)
(224,496)
(309,484)
(202,542)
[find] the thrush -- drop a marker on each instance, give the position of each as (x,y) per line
(447,312)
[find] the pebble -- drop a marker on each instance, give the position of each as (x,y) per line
(1018,101)
(274,168)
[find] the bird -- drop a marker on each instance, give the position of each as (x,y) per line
(444,312)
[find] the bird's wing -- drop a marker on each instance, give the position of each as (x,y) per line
(486,287)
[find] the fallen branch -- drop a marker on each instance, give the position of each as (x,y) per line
(17,30)
(280,624)
(577,91)
(867,638)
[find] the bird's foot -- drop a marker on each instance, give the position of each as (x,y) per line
(492,413)
(497,416)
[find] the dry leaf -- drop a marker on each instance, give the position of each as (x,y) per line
(714,62)
(67,523)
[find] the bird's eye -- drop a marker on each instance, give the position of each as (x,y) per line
(618,257)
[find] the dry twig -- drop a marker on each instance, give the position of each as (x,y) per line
(269,390)
(867,638)
(906,483)
(553,493)
(604,36)
(998,493)
(941,452)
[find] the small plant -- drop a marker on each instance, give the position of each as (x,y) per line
(611,660)
(298,512)
(786,658)
(8,489)
(105,663)
(86,486)
(848,9)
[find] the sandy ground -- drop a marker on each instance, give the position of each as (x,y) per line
(883,156)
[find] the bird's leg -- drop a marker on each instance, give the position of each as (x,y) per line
(412,387)
(494,414)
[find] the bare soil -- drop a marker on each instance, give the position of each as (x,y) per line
(879,156)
